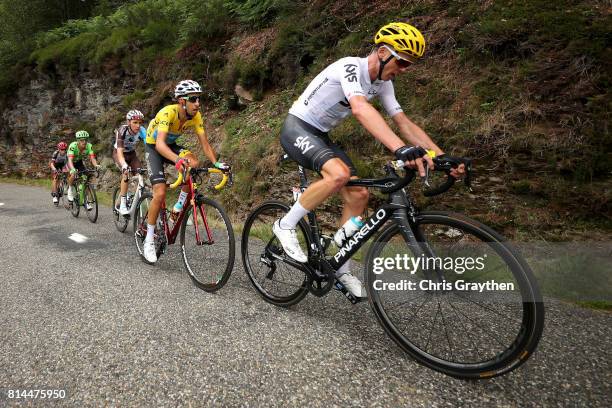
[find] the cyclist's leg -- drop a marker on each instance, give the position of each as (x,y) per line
(54,182)
(124,183)
(311,149)
(155,161)
(158,182)
(355,198)
(79,166)
(159,196)
(157,177)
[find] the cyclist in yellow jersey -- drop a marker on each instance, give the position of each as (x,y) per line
(161,148)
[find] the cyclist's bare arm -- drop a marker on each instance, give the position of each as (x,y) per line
(120,156)
(374,123)
(208,150)
(93,160)
(413,134)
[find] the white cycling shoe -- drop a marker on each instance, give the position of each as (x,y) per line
(55,200)
(289,241)
(88,207)
(149,252)
(353,285)
(123,210)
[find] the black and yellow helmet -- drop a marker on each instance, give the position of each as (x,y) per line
(403,38)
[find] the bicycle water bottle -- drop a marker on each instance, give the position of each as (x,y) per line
(346,231)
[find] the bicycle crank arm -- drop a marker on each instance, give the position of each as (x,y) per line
(289,261)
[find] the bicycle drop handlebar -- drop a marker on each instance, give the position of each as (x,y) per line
(227,176)
(394,182)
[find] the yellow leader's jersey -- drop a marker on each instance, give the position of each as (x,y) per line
(167,120)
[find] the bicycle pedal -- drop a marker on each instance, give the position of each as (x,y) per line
(342,289)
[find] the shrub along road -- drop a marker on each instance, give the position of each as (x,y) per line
(92,319)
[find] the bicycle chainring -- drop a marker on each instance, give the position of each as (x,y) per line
(320,286)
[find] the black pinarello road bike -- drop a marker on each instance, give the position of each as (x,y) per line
(451,292)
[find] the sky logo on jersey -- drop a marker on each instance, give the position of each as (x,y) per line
(351,72)
(303,144)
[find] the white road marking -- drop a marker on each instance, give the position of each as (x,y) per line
(78,238)
(1,204)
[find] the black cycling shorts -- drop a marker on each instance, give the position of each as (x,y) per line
(156,162)
(130,159)
(310,147)
(79,165)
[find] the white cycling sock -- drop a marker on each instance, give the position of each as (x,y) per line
(150,233)
(123,200)
(295,214)
(344,269)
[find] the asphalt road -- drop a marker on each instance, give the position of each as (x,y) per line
(92,319)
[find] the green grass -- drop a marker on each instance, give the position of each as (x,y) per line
(597,305)
(104,198)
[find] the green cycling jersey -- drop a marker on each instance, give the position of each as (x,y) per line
(76,155)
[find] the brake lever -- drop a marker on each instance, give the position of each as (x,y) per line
(425,179)
(467,180)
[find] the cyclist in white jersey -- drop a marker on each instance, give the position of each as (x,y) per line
(343,88)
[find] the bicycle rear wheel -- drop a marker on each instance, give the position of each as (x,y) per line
(121,222)
(208,245)
(445,311)
(91,203)
(277,282)
(140,225)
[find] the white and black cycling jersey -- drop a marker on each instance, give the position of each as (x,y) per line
(58,158)
(324,103)
(126,139)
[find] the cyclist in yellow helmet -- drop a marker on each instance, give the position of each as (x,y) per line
(346,87)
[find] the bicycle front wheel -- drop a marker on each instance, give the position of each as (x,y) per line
(463,302)
(276,281)
(208,245)
(62,190)
(91,203)
(75,206)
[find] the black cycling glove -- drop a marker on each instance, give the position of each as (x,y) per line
(406,153)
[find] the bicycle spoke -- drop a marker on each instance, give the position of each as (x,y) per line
(481,327)
(514,320)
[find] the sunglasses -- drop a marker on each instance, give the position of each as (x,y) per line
(193,99)
(401,62)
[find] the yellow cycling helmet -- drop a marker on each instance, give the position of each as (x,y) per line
(403,38)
